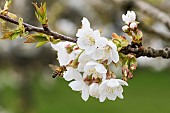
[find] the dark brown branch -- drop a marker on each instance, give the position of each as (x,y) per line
(149,52)
(30,28)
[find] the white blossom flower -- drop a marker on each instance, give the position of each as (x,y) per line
(108,52)
(80,85)
(129,17)
(64,57)
(87,37)
(95,69)
(111,89)
(83,59)
(71,74)
(94,90)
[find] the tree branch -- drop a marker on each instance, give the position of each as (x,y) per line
(30,28)
(149,52)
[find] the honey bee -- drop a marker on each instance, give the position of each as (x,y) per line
(58,70)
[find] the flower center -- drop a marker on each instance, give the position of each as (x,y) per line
(109,90)
(91,40)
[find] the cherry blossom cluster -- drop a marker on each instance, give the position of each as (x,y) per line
(131,27)
(88,62)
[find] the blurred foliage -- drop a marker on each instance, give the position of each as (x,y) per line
(148,92)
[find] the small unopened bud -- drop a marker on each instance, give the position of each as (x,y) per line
(125,70)
(133,25)
(130,75)
(125,28)
(139,34)
(133,67)
(130,56)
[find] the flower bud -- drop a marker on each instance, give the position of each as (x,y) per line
(133,25)
(125,29)
(133,66)
(139,34)
(125,70)
(130,75)
(130,56)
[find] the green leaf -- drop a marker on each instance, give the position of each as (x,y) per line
(41,13)
(34,38)
(7,35)
(11,15)
(15,34)
(39,44)
(12,35)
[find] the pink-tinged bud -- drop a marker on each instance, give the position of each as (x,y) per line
(125,29)
(130,75)
(133,25)
(130,56)
(125,70)
(139,34)
(133,66)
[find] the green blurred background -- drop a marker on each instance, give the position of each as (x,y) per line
(26,85)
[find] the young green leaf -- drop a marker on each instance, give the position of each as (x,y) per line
(34,38)
(39,44)
(41,13)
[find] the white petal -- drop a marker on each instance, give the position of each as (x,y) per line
(133,25)
(104,77)
(100,69)
(63,58)
(101,42)
(122,82)
(98,54)
(120,96)
(92,63)
(125,28)
(115,56)
(81,42)
(111,97)
(74,54)
(102,87)
(113,83)
(71,74)
(85,92)
(94,90)
(102,98)
(112,45)
(85,23)
(84,57)
(124,17)
(90,49)
(88,68)
(80,67)
(118,90)
(76,85)
(133,16)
